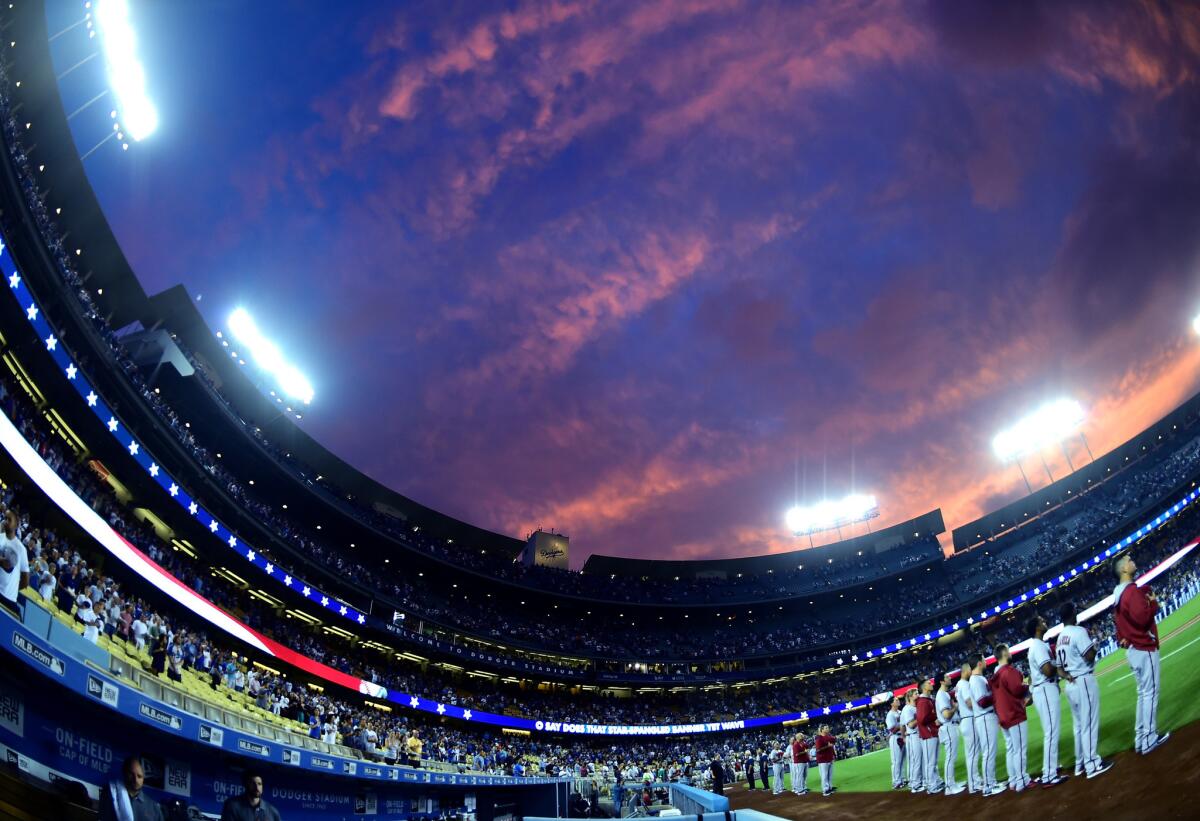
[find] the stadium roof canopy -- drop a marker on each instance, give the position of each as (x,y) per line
(64,184)
(1028,508)
(920,529)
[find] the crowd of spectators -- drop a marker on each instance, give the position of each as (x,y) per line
(1108,507)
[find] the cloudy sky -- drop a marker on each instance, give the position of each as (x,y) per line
(630,269)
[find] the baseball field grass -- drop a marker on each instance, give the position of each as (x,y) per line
(1178,706)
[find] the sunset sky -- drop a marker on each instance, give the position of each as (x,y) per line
(626,269)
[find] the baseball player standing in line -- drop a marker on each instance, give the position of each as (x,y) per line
(895,732)
(1138,634)
(777,768)
(1044,688)
(823,745)
(966,712)
(927,731)
(912,743)
(1012,694)
(1076,652)
(986,726)
(947,716)
(799,765)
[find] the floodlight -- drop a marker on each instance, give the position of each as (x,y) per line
(1196,324)
(266,355)
(125,73)
(1050,423)
(829,514)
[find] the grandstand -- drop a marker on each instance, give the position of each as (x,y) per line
(213,588)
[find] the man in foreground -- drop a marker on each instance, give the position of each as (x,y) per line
(250,805)
(124,800)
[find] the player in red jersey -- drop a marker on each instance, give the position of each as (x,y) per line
(927,733)
(823,746)
(1010,693)
(1135,608)
(799,765)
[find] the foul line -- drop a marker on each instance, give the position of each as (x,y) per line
(1167,656)
(1167,637)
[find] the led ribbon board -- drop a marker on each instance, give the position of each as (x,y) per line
(79,381)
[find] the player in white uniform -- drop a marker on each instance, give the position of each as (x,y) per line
(1043,687)
(987,727)
(966,725)
(948,718)
(777,769)
(912,742)
(1076,662)
(895,731)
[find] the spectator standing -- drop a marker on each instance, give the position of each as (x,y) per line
(414,748)
(14,563)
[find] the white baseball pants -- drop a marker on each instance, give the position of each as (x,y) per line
(987,729)
(1046,700)
(1016,753)
(1084,697)
(897,751)
(826,769)
(799,777)
(1145,667)
(912,752)
(777,774)
(929,752)
(948,736)
(967,727)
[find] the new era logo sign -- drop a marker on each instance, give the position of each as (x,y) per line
(103,690)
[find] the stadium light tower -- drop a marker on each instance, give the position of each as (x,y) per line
(1048,425)
(126,76)
(266,355)
(831,514)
